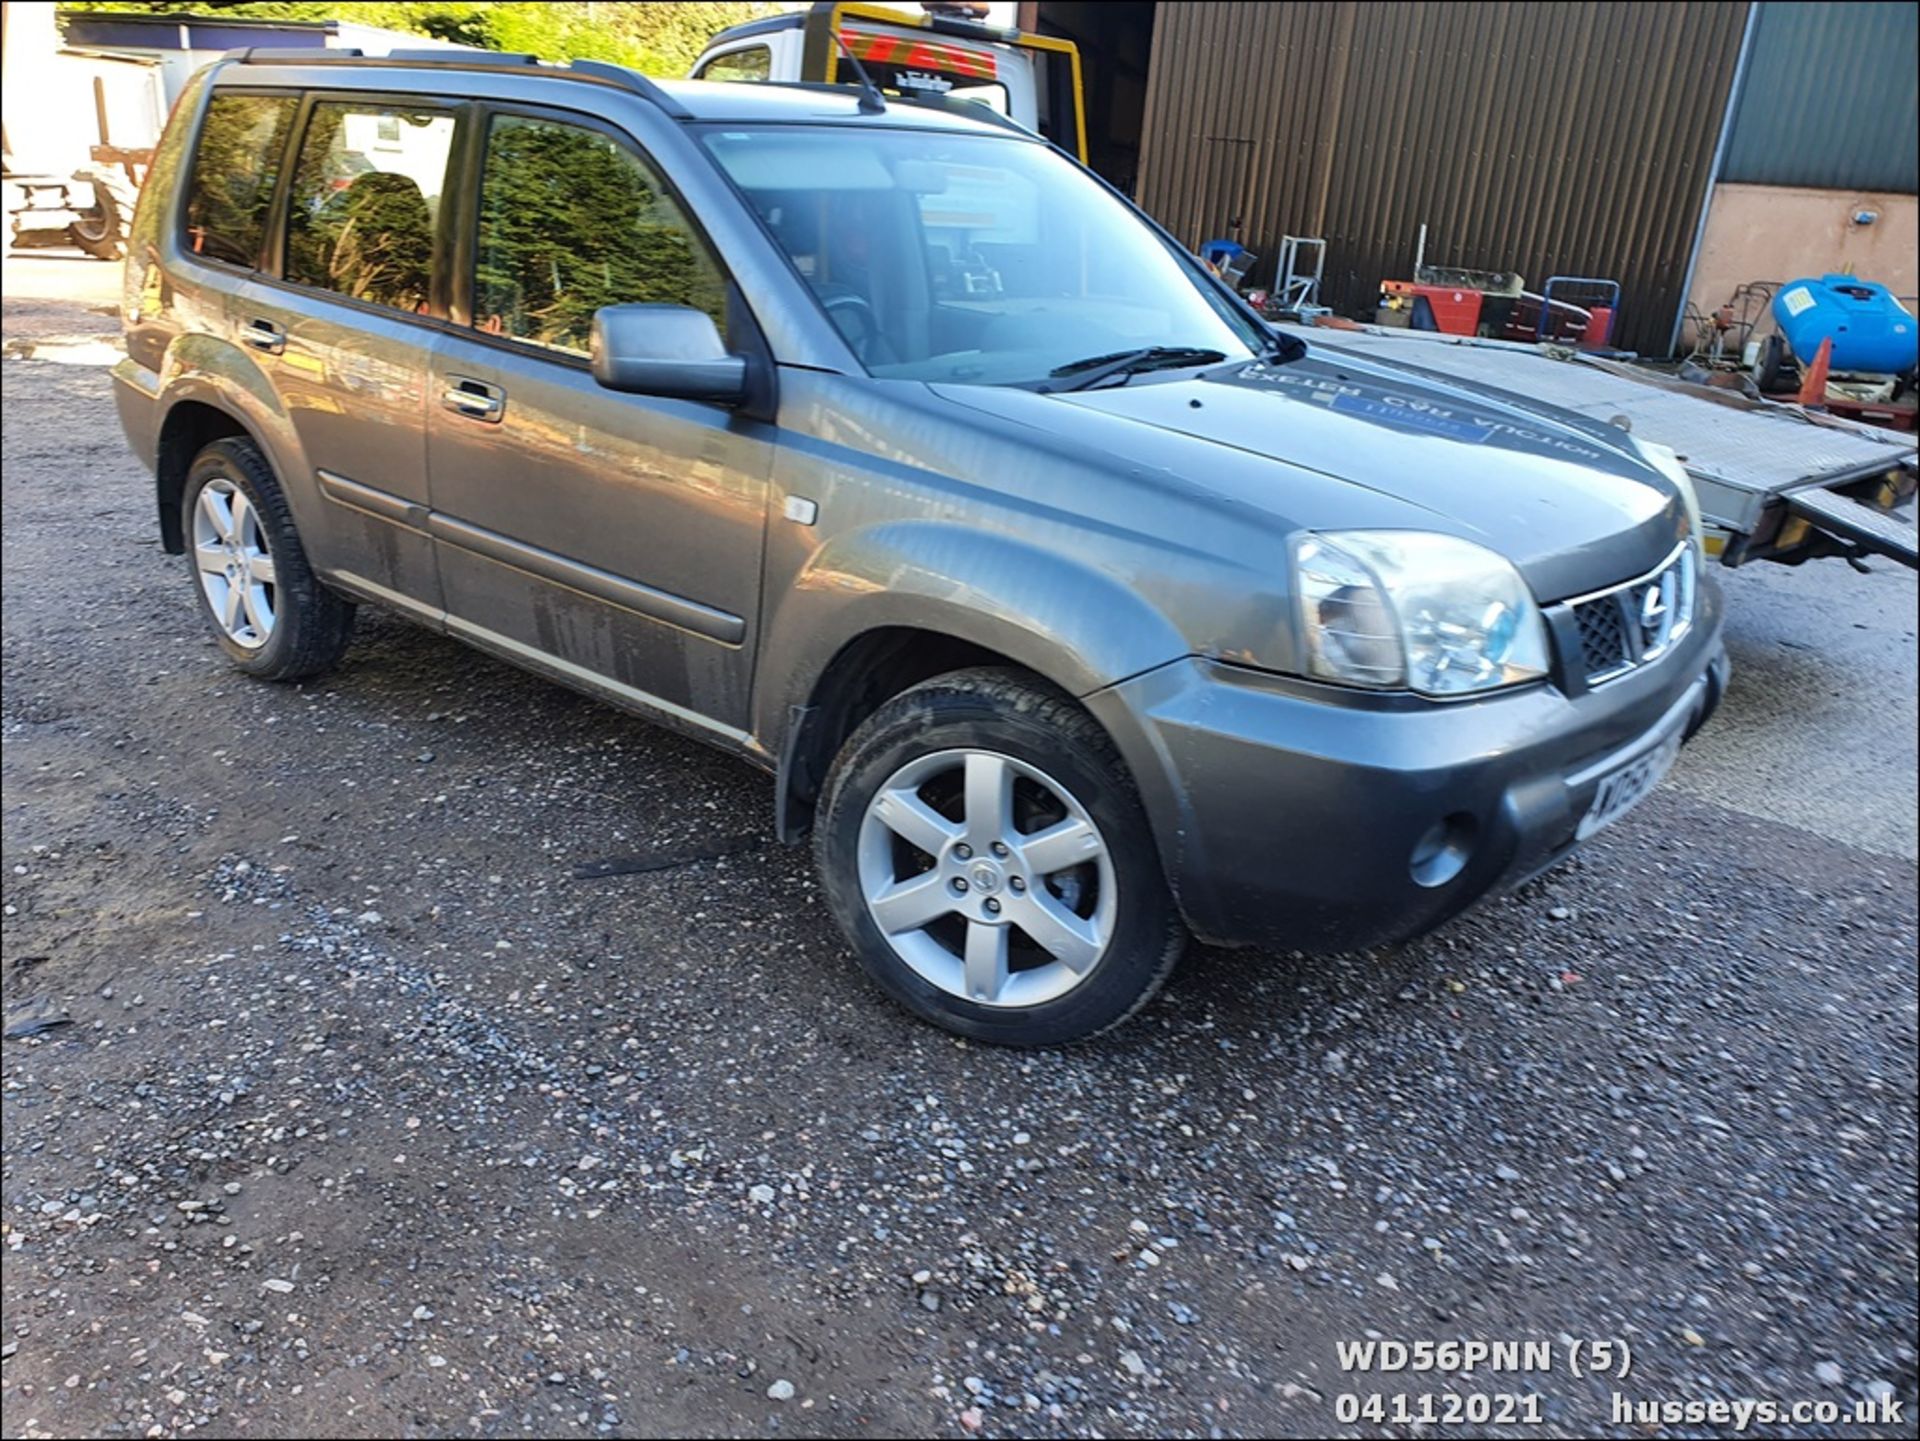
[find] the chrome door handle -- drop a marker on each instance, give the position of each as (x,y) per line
(474,398)
(264,335)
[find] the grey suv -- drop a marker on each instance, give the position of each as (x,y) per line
(1073,609)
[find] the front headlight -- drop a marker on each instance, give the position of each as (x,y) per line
(1394,609)
(1668,463)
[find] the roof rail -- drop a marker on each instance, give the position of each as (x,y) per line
(411,59)
(630,79)
(285,55)
(461,59)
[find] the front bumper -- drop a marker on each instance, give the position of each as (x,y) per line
(1299,815)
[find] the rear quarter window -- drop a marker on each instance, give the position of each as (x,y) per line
(235,166)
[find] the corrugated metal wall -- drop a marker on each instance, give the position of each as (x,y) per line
(1829,99)
(1548,139)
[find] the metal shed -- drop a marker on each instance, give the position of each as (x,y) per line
(1546,139)
(1828,99)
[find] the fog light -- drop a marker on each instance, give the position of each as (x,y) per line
(1441,854)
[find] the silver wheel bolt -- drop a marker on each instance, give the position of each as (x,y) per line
(959,884)
(965,853)
(993,907)
(1017,883)
(999,848)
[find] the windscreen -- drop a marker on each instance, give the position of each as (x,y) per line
(970,258)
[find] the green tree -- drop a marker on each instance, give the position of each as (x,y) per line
(660,39)
(674,35)
(569,222)
(234,175)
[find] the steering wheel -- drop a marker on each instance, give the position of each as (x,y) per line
(852,315)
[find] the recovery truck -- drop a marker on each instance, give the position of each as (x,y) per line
(947,50)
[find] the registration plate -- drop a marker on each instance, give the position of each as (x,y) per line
(1621,790)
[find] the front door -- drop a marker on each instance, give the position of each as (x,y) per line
(615,539)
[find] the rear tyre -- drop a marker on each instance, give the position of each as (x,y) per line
(985,852)
(270,613)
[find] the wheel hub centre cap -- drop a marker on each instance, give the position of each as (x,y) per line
(985,876)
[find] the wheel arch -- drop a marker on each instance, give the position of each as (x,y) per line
(204,402)
(868,671)
(879,611)
(190,427)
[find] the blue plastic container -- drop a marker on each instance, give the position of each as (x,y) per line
(1870,330)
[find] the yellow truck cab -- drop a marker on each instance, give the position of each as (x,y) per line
(1033,80)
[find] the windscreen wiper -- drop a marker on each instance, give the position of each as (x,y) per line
(1083,374)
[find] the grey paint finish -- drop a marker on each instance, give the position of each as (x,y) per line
(645,518)
(394,509)
(640,600)
(1352,789)
(936,516)
(352,399)
(1566,506)
(1129,545)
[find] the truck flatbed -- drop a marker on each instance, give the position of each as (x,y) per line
(1776,482)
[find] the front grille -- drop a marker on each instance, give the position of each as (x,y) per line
(1603,637)
(1630,625)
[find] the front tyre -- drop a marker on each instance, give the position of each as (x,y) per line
(984,850)
(268,610)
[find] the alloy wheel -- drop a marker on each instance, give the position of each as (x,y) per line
(235,564)
(987,877)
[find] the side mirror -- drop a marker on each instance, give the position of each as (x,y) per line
(667,350)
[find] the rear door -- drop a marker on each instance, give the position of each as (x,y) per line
(606,537)
(342,319)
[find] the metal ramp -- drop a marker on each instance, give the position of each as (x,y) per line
(1883,532)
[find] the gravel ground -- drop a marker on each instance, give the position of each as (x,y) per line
(368,1118)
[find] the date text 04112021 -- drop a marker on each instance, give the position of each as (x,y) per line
(1606,1358)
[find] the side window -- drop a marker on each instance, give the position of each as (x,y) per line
(571,220)
(753,63)
(366,190)
(234,168)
